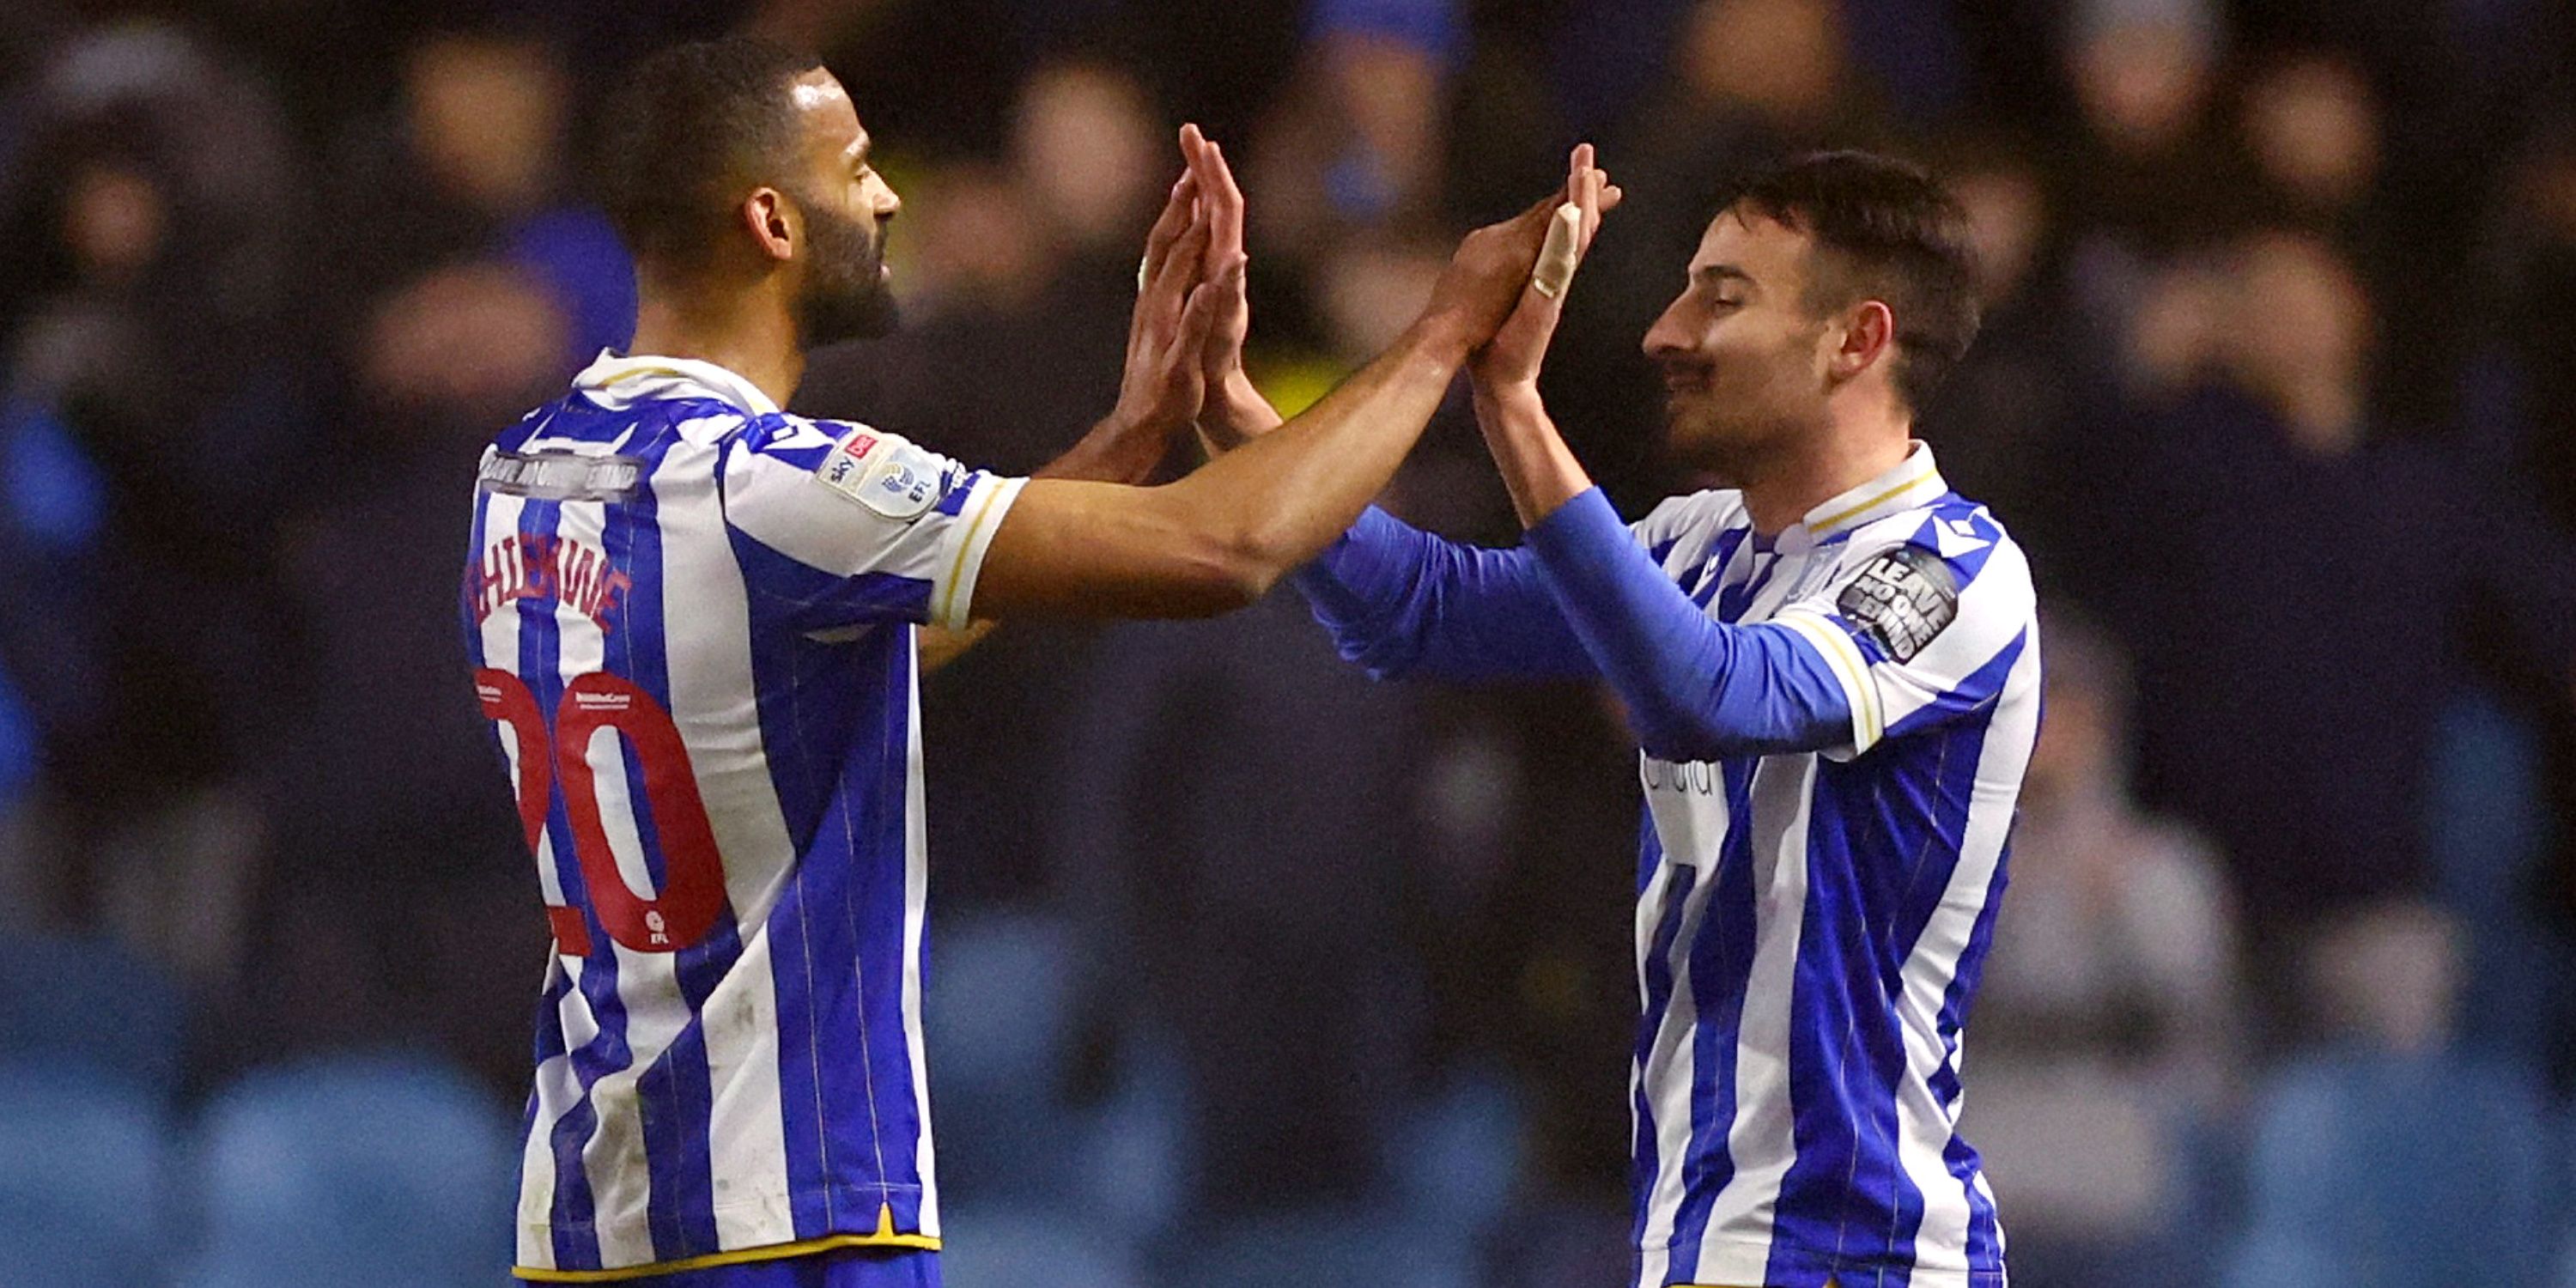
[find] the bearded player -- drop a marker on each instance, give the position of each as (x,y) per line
(1832,670)
(694,619)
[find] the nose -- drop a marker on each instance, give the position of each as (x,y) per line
(1668,337)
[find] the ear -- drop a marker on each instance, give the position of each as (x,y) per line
(771,222)
(1868,335)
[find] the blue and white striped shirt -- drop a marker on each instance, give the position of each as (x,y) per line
(692,618)
(1816,893)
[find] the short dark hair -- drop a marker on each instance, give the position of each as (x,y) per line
(1885,230)
(686,127)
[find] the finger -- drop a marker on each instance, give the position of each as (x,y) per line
(1590,205)
(1198,321)
(1170,288)
(1561,252)
(1610,195)
(1167,228)
(1216,183)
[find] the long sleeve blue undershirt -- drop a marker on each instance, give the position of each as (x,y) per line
(1580,598)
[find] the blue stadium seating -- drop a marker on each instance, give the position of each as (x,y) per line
(1133,1172)
(1354,1245)
(82,1179)
(999,1022)
(2489,837)
(358,1169)
(2382,1172)
(86,1002)
(1455,1157)
(1008,1247)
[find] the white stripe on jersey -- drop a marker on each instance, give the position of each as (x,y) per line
(1672,1102)
(1763,1142)
(916,906)
(614,1160)
(1921,1118)
(712,701)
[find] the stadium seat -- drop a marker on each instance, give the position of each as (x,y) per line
(1133,1170)
(1354,1245)
(82,1180)
(1457,1155)
(1007,1247)
(999,1022)
(2401,1171)
(373,1169)
(86,1002)
(2488,839)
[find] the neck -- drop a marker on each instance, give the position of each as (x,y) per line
(748,332)
(1781,491)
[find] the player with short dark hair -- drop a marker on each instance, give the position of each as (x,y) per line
(1830,664)
(694,614)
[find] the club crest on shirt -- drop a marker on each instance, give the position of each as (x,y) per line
(883,472)
(1902,600)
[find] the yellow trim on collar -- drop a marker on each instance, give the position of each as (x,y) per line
(1826,525)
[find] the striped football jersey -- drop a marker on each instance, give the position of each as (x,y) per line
(692,618)
(1810,925)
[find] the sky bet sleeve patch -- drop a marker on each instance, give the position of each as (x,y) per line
(1901,601)
(883,472)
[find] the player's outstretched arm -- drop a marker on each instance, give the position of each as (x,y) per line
(1218,539)
(1397,600)
(1157,397)
(1695,689)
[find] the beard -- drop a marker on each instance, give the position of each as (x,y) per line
(846,295)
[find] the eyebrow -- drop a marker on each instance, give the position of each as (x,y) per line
(860,150)
(1713,274)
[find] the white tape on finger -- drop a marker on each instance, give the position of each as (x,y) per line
(1557,258)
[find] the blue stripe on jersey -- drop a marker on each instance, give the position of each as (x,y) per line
(1733,600)
(1712,574)
(540,665)
(1985,1238)
(674,1094)
(1722,956)
(793,729)
(1917,833)
(1843,1134)
(854,1041)
(1980,687)
(869,898)
(809,598)
(1659,999)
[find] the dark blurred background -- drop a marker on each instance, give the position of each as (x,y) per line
(1247,969)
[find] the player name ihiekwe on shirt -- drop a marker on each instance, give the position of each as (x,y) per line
(692,620)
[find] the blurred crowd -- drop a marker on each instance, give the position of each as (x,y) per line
(2277,384)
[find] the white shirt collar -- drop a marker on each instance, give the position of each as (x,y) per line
(614,381)
(1914,481)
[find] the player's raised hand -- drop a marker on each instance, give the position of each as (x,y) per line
(1234,410)
(1491,271)
(1164,382)
(1513,357)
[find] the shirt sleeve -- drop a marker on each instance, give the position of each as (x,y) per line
(840,524)
(1695,689)
(1400,601)
(1922,631)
